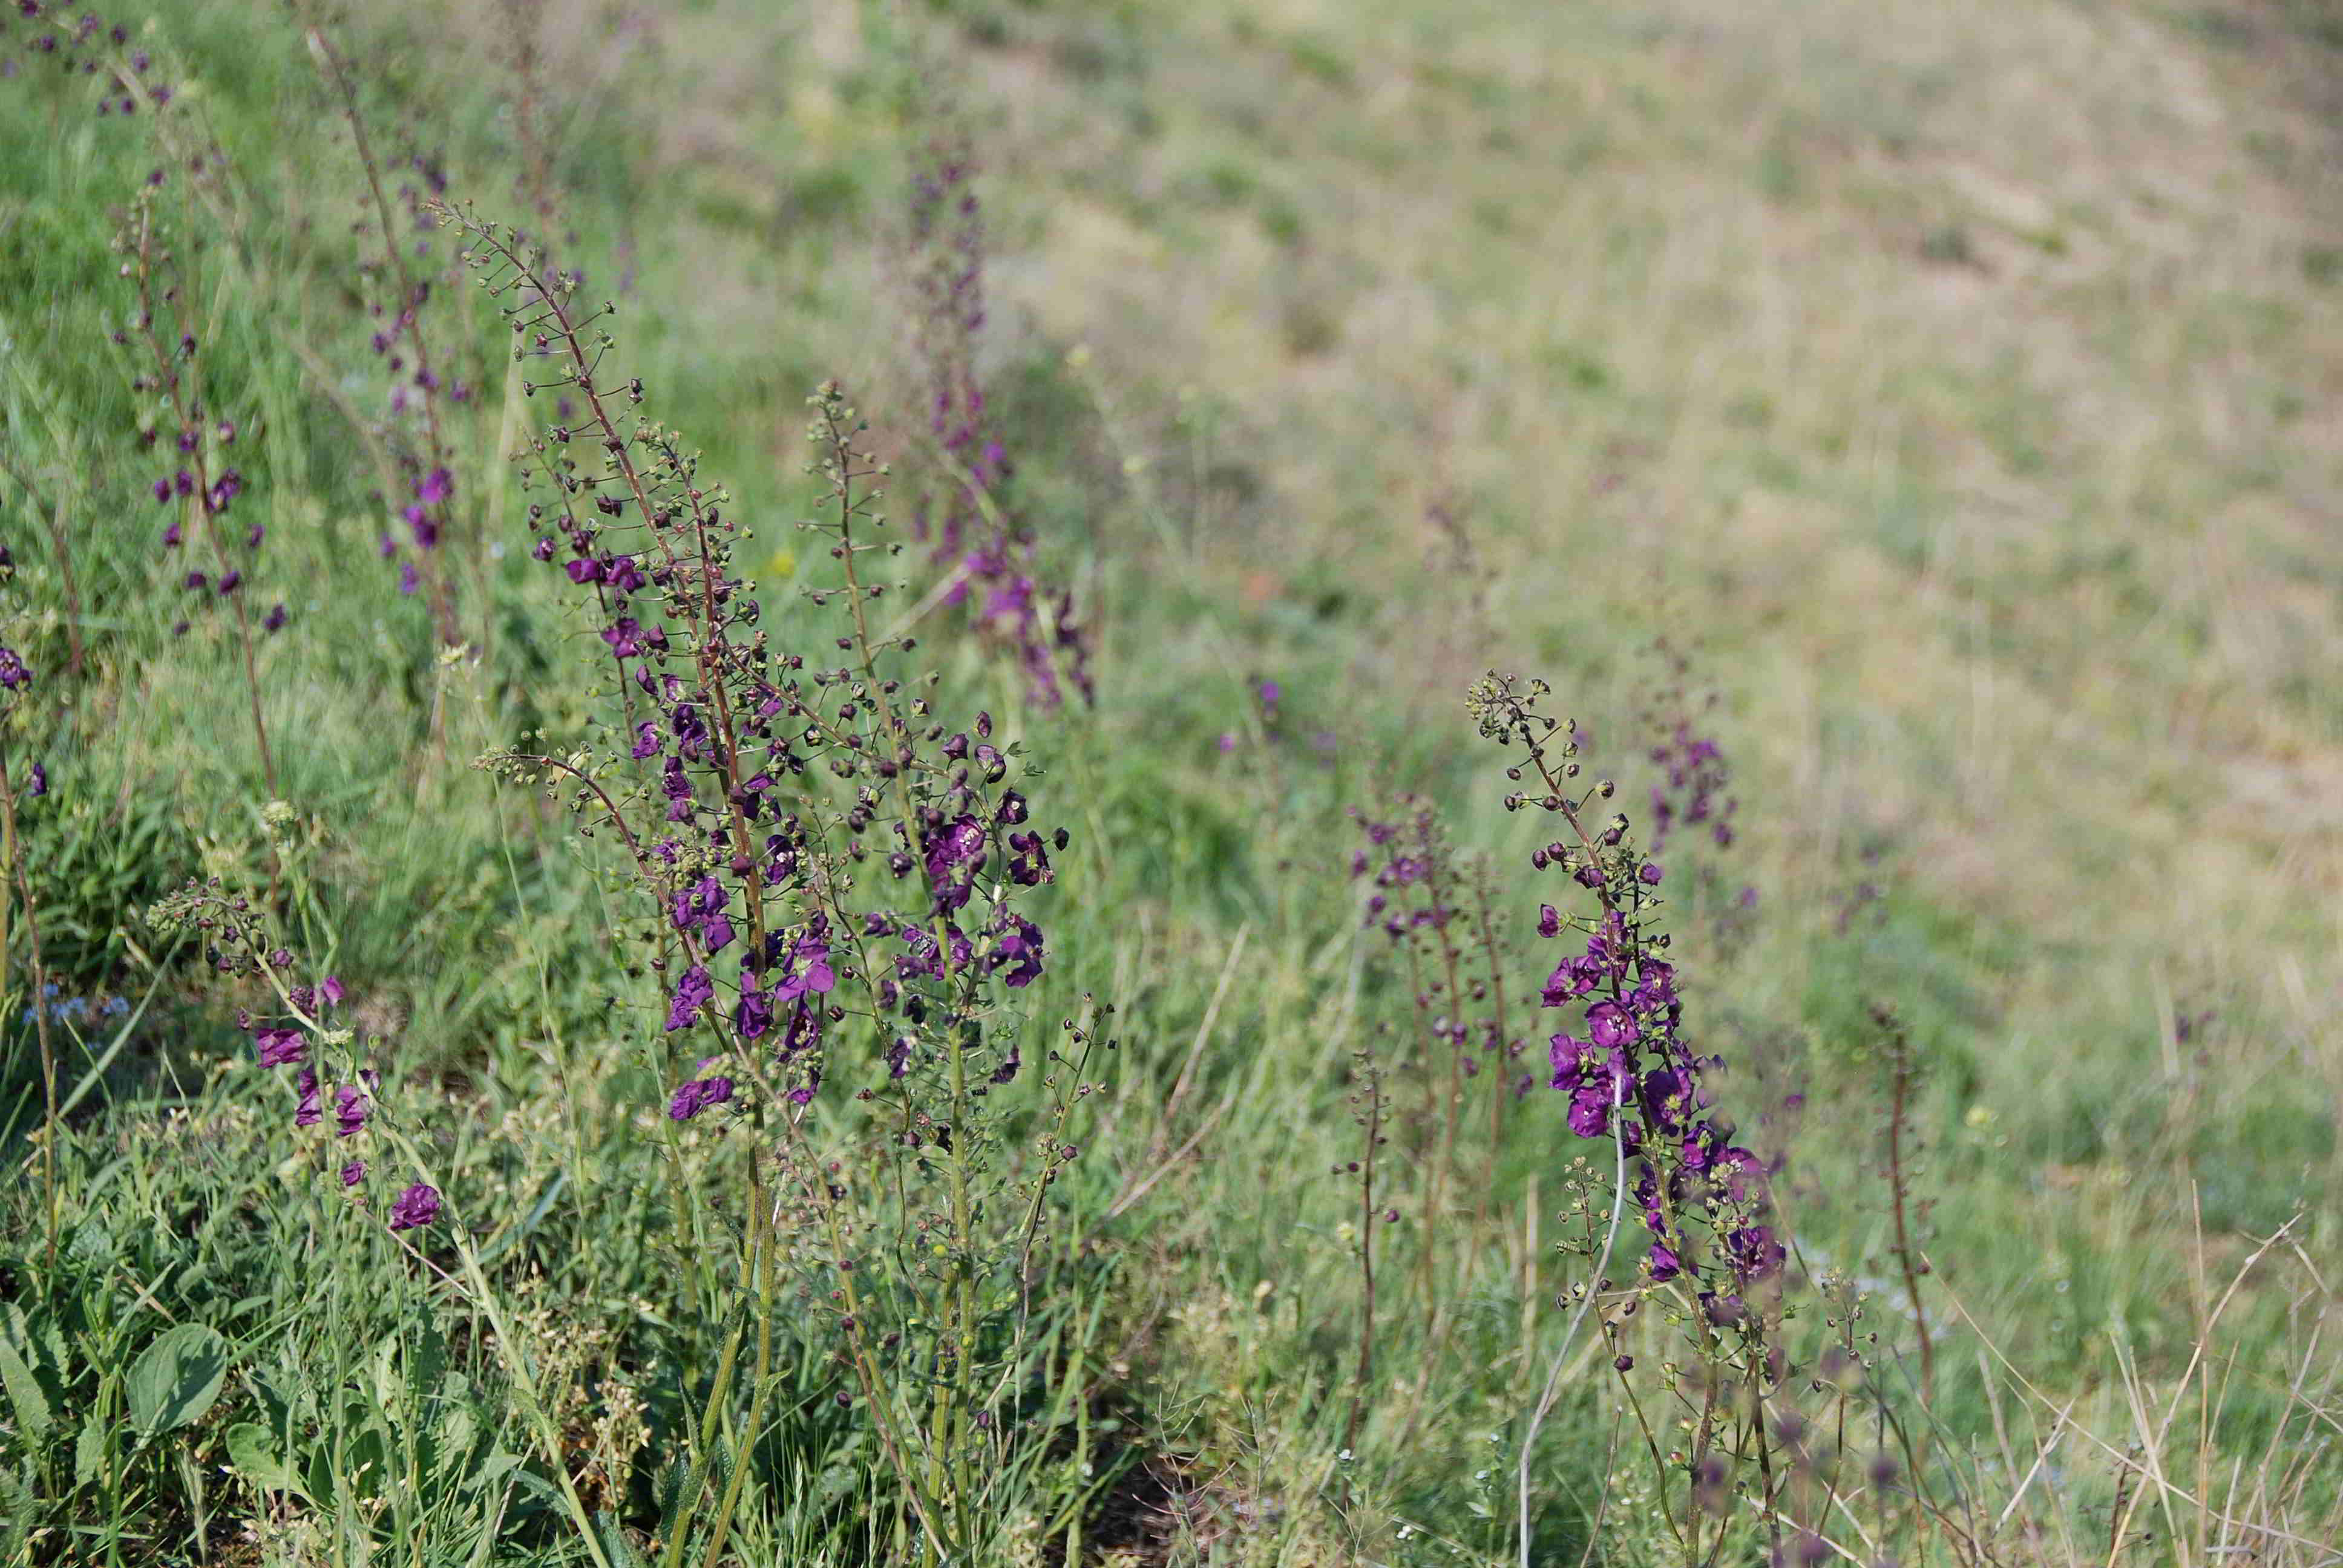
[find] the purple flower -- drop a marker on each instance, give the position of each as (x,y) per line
(414,1208)
(354,1172)
(1029,863)
(815,976)
(1611,1025)
(280,1047)
(694,991)
(1754,1251)
(14,671)
(1019,948)
(753,1015)
(435,487)
(39,783)
(954,854)
(694,1097)
(310,1111)
(351,1108)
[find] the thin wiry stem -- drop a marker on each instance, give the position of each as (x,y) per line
(1570,1335)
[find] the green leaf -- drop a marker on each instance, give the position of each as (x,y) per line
(32,1406)
(621,1550)
(178,1378)
(253,1452)
(89,1449)
(388,1383)
(92,1243)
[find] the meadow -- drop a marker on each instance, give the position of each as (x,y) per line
(1018,781)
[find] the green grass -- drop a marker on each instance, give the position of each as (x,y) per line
(1965,390)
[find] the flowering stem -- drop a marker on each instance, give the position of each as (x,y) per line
(201,501)
(1366,1373)
(1503,1041)
(866,1374)
(443,611)
(952,1396)
(1570,1334)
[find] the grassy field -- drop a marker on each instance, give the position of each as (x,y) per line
(1938,408)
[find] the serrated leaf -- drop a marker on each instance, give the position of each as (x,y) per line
(670,1493)
(427,1364)
(253,1452)
(178,1378)
(24,1396)
(621,1550)
(89,1449)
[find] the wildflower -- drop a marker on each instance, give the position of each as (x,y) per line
(354,1172)
(697,1096)
(694,991)
(1611,1025)
(280,1047)
(415,1207)
(1020,947)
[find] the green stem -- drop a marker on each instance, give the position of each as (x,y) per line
(761,1266)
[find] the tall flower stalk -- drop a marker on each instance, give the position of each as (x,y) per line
(202,491)
(832,882)
(420,477)
(967,517)
(1636,1077)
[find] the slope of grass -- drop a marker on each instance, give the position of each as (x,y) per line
(1963,392)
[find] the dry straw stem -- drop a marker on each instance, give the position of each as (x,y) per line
(2151,1431)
